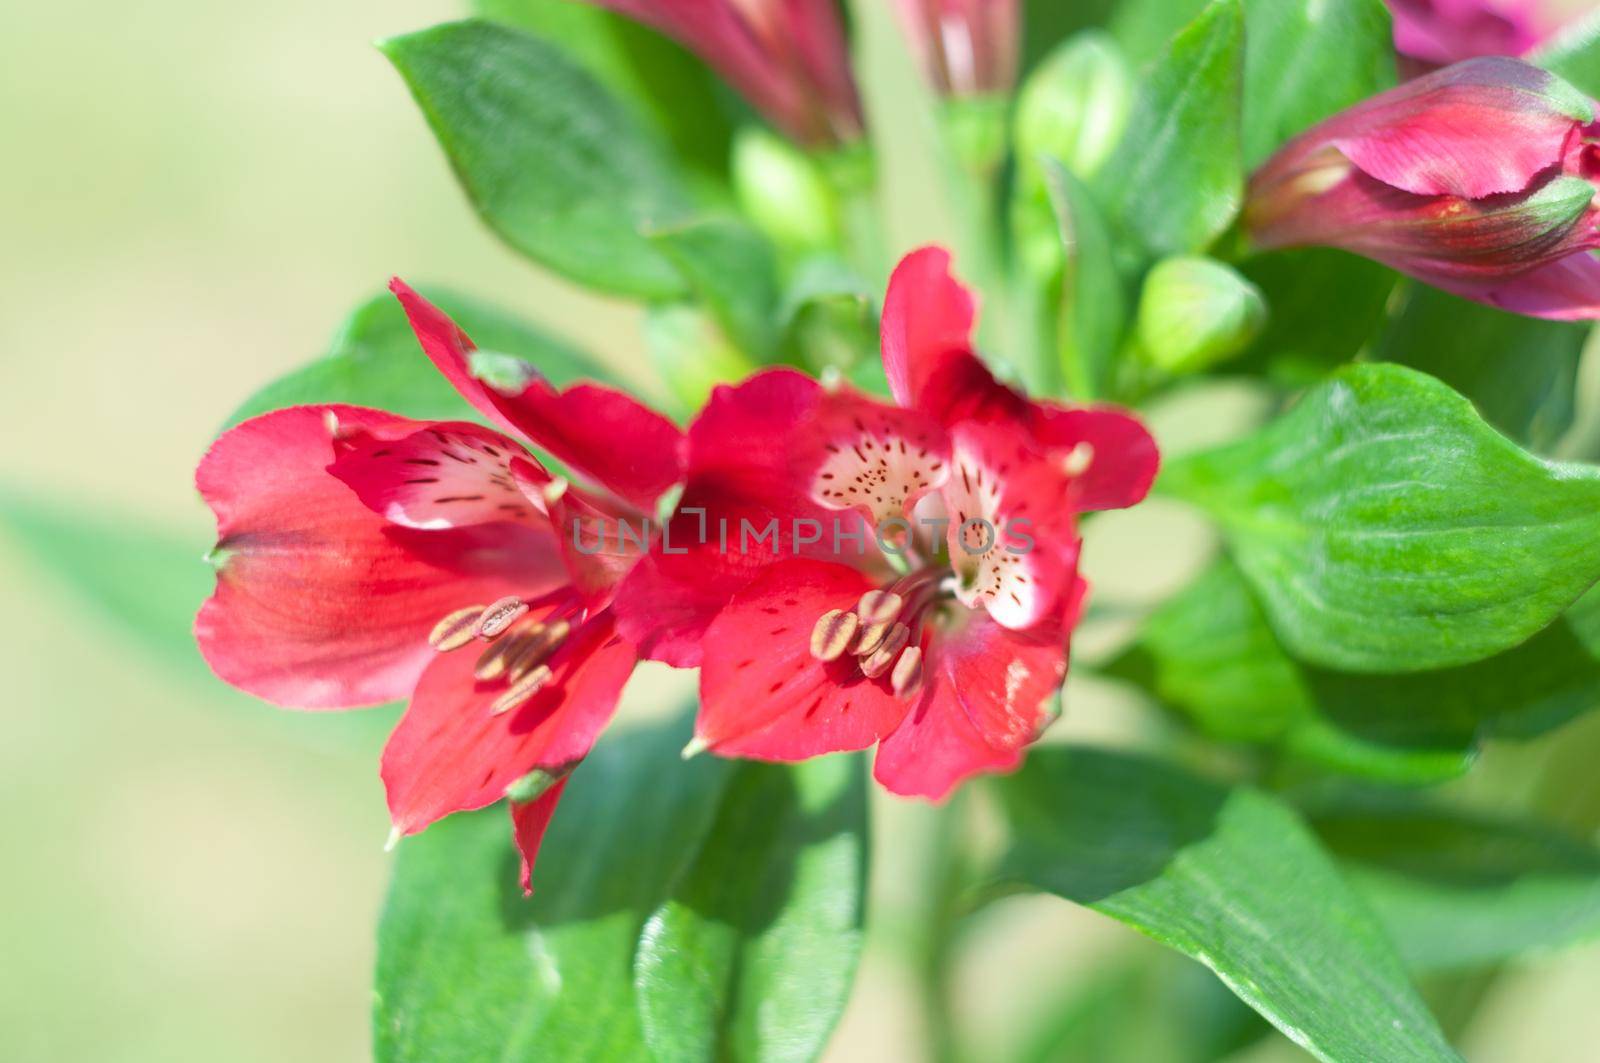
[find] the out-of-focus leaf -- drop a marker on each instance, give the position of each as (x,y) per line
(663,84)
(1210,652)
(1046,25)
(1143,27)
(1094,306)
(1455,889)
(1176,179)
(146,584)
(1231,878)
(375,360)
(732,271)
(468,969)
(1325,306)
(1106,1017)
(548,156)
(753,955)
(1386,528)
(1521,372)
(1305,60)
(1575,54)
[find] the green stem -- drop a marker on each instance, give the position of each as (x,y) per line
(945,876)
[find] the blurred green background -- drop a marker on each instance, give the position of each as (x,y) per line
(193,197)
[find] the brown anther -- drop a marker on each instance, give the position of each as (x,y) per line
(879,606)
(534,647)
(455,630)
(878,661)
(906,679)
(521,690)
(831,637)
(494,620)
(871,637)
(492,664)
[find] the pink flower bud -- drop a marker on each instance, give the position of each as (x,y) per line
(965,47)
(1478,179)
(787,57)
(1434,32)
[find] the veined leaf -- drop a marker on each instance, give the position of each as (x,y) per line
(1455,889)
(1386,528)
(550,159)
(1520,372)
(1176,180)
(643,847)
(1231,878)
(375,360)
(1210,652)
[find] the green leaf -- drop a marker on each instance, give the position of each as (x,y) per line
(1231,878)
(375,360)
(1176,180)
(1309,331)
(1521,372)
(550,159)
(732,271)
(1386,528)
(1457,889)
(1307,59)
(468,969)
(753,955)
(1094,304)
(1575,54)
(1144,27)
(667,88)
(1210,652)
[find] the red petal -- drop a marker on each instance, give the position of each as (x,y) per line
(763,695)
(927,316)
(529,821)
(623,445)
(451,754)
(984,702)
(1123,459)
(753,456)
(445,475)
(320,603)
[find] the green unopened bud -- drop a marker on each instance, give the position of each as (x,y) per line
(691,353)
(1194,312)
(784,192)
(1075,106)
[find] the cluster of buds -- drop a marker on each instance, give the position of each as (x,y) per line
(1478,179)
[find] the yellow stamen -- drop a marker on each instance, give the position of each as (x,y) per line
(878,661)
(906,679)
(499,616)
(521,690)
(879,606)
(832,634)
(455,630)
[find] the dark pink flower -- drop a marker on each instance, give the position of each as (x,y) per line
(964,47)
(1438,32)
(788,57)
(359,554)
(1478,179)
(863,620)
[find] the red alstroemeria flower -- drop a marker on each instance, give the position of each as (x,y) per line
(964,47)
(789,58)
(862,620)
(359,554)
(1431,33)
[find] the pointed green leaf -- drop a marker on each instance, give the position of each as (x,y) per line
(753,955)
(375,360)
(1210,652)
(1176,180)
(549,158)
(468,969)
(1457,889)
(1386,528)
(1520,372)
(1231,878)
(1094,304)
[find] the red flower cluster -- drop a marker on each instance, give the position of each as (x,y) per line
(363,557)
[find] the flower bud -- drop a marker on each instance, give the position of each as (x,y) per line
(784,192)
(1075,106)
(1195,312)
(964,47)
(1478,179)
